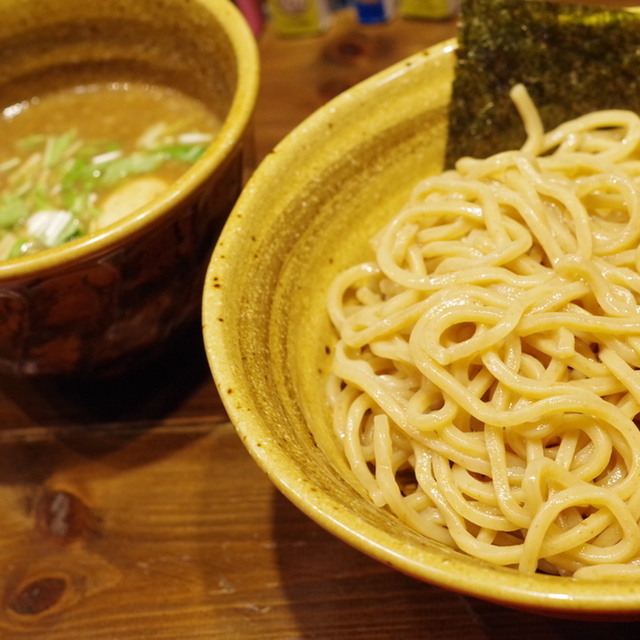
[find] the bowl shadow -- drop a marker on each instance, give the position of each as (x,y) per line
(149,391)
(94,418)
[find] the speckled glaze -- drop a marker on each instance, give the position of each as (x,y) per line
(106,302)
(307,213)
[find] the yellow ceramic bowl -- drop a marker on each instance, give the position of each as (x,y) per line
(306,214)
(107,301)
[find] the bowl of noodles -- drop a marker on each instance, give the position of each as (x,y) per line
(127,138)
(441,368)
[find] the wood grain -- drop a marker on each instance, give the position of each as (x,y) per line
(173,532)
(301,74)
(130,509)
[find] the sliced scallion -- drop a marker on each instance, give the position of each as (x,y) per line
(51,195)
(188,153)
(29,143)
(135,164)
(56,146)
(13,209)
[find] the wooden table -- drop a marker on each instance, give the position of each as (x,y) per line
(130,509)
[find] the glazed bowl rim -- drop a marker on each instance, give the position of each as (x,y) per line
(233,127)
(539,593)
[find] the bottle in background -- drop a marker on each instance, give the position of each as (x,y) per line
(299,17)
(252,11)
(429,9)
(375,11)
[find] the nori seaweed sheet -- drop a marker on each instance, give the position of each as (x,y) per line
(572,59)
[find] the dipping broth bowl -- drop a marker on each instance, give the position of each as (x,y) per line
(269,339)
(105,302)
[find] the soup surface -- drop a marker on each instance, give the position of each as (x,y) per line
(77,160)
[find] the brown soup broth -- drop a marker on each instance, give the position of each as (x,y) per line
(100,151)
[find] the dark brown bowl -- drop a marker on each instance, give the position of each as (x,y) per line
(110,300)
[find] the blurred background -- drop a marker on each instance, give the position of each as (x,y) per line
(306,61)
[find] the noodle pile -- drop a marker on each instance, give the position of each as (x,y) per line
(486,380)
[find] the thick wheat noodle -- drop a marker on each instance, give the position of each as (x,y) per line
(486,379)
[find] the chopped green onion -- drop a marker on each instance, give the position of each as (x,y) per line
(12,163)
(82,204)
(26,172)
(107,156)
(150,137)
(50,196)
(16,249)
(25,246)
(29,143)
(195,137)
(56,147)
(41,199)
(135,164)
(73,230)
(79,177)
(13,209)
(188,153)
(92,148)
(48,226)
